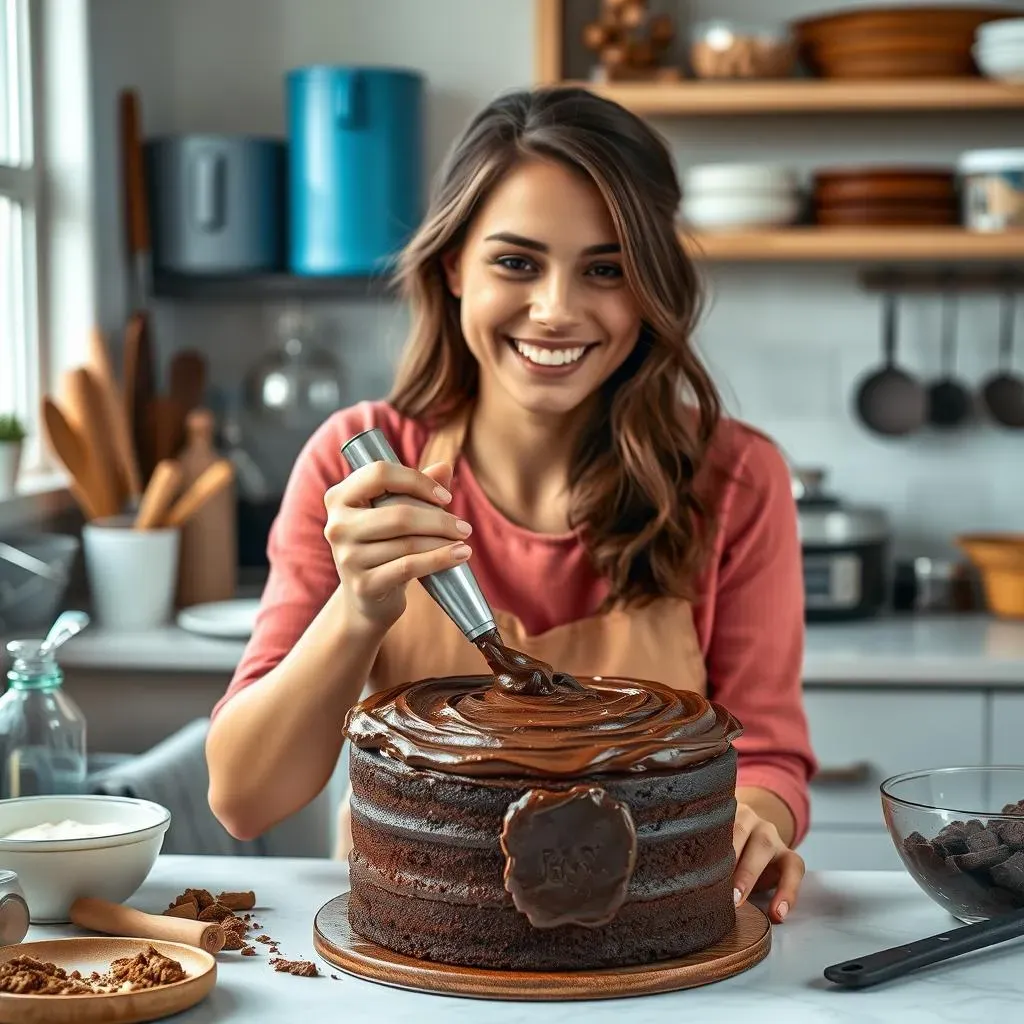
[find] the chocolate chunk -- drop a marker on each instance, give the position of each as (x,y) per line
(949,844)
(569,856)
(973,826)
(1017,808)
(1011,833)
(1010,874)
(981,858)
(986,839)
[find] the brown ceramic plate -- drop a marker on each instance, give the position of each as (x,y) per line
(872,188)
(886,215)
(94,953)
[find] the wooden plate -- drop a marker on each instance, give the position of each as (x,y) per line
(870,189)
(95,954)
(746,945)
(886,214)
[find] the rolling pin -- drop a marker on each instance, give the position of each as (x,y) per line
(117,919)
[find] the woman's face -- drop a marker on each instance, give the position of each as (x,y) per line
(545,308)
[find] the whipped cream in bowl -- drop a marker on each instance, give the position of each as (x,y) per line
(66,829)
(67,846)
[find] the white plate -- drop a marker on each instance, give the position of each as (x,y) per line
(229,620)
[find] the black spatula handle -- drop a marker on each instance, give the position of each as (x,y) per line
(899,960)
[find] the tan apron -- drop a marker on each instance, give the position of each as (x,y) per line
(656,642)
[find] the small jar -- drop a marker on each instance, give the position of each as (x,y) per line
(992,192)
(727,49)
(14,913)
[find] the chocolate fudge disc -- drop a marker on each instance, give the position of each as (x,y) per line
(569,856)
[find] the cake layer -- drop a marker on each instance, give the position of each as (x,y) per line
(431,842)
(643,931)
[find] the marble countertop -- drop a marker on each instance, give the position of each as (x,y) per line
(841,915)
(971,650)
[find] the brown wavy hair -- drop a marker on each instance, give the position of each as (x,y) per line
(647,527)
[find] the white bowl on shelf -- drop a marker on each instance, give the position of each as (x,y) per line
(1004,63)
(739,211)
(1003,31)
(739,178)
(55,872)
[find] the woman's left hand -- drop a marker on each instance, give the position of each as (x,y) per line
(764,861)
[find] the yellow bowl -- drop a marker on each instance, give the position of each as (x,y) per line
(999,558)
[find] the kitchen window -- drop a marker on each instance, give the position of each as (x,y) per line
(20,362)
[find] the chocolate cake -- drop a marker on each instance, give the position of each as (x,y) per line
(532,821)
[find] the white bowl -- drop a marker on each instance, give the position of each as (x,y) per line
(736,212)
(55,872)
(1005,64)
(1004,30)
(734,178)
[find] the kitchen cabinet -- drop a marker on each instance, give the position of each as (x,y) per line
(861,737)
(1007,725)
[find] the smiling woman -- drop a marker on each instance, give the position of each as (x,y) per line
(567,438)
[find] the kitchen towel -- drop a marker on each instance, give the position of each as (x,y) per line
(174,774)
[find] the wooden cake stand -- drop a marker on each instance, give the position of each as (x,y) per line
(747,944)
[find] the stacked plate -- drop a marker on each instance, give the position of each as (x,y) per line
(884,196)
(999,49)
(722,197)
(894,42)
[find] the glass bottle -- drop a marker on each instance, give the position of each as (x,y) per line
(42,730)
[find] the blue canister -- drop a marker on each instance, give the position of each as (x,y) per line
(355,178)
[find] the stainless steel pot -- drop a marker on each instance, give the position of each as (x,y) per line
(845,552)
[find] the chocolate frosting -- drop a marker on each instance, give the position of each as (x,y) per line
(528,720)
(569,856)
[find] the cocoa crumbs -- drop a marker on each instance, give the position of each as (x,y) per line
(25,975)
(248,950)
(300,968)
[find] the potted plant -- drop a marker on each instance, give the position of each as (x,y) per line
(12,433)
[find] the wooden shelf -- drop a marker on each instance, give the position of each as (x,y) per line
(268,286)
(938,245)
(810,95)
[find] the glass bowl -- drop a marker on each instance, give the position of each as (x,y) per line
(960,833)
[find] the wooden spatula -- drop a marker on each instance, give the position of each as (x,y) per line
(160,493)
(139,388)
(66,444)
(117,419)
(207,484)
(93,428)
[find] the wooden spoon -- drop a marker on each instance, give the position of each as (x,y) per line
(117,419)
(139,388)
(87,399)
(160,493)
(117,919)
(67,445)
(211,481)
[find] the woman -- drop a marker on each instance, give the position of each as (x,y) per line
(569,440)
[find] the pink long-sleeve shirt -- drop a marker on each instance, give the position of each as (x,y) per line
(749,615)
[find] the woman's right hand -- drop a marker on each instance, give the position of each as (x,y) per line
(378,550)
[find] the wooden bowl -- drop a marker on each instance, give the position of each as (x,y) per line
(951,64)
(999,559)
(95,954)
(894,21)
(897,42)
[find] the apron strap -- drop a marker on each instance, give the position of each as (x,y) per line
(445,444)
